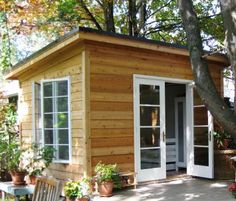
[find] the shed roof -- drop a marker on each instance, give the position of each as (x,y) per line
(83,33)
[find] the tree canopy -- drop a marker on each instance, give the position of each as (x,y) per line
(158,20)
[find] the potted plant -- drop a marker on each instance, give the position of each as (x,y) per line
(14,163)
(77,190)
(223,139)
(232,189)
(9,139)
(37,160)
(104,178)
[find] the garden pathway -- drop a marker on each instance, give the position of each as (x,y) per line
(180,190)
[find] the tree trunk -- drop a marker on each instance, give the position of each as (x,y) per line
(228,8)
(133,31)
(108,9)
(142,15)
(203,81)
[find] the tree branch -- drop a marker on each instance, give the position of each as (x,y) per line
(159,9)
(83,5)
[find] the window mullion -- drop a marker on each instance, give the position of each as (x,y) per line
(55,120)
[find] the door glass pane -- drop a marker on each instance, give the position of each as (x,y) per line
(197,100)
(150,158)
(201,136)
(180,132)
(149,94)
(201,156)
(200,116)
(149,116)
(150,137)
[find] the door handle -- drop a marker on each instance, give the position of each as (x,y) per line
(163,136)
(209,136)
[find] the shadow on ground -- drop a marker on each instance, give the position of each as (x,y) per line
(180,190)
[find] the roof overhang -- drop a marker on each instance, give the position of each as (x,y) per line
(88,34)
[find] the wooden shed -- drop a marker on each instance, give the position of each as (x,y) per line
(96,96)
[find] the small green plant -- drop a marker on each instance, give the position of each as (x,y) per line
(223,139)
(105,172)
(77,189)
(72,189)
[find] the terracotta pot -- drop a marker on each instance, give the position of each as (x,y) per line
(18,178)
(85,198)
(105,188)
(31,179)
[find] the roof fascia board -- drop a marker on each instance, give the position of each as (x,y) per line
(144,45)
(97,37)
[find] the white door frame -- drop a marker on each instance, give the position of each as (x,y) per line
(136,124)
(184,163)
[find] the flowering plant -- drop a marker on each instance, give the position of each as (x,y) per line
(232,188)
(35,160)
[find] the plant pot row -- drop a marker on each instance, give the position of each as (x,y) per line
(21,178)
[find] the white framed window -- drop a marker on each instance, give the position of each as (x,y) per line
(55,118)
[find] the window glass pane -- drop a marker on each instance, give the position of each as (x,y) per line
(150,158)
(47,89)
(150,137)
(62,104)
(48,121)
(63,136)
(149,116)
(61,89)
(48,136)
(149,94)
(48,105)
(62,120)
(63,152)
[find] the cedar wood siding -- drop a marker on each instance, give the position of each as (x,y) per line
(111,92)
(67,63)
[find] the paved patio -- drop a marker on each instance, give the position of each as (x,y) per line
(180,190)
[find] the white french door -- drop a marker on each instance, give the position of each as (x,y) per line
(149,113)
(200,138)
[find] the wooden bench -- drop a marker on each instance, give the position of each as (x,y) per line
(128,179)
